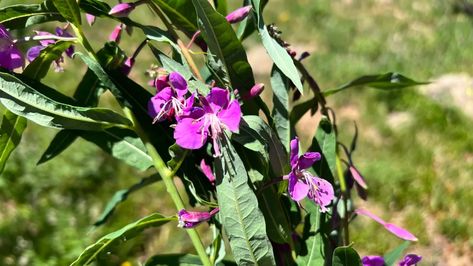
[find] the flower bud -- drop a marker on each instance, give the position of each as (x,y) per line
(116,34)
(127,65)
(255,91)
(90,19)
(192,219)
(239,14)
(122,10)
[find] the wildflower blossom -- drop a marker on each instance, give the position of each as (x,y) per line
(169,100)
(10,56)
(410,259)
(207,171)
(122,9)
(372,261)
(302,183)
(215,114)
(192,219)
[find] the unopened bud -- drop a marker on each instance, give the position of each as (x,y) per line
(239,14)
(255,91)
(127,65)
(122,10)
(116,34)
(90,19)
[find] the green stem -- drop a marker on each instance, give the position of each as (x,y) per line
(167,176)
(83,40)
(343,187)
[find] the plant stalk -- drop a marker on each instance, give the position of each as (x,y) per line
(167,176)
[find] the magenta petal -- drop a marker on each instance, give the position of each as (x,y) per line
(400,232)
(231,116)
(4,34)
(158,102)
(178,83)
(294,151)
(410,259)
(33,52)
(308,159)
(116,34)
(207,171)
(189,134)
(372,261)
(357,177)
(218,98)
(297,189)
(370,215)
(122,9)
(323,194)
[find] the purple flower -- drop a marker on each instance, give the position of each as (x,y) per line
(238,14)
(127,65)
(372,261)
(169,100)
(302,183)
(215,114)
(10,56)
(122,9)
(410,259)
(34,51)
(192,219)
(396,230)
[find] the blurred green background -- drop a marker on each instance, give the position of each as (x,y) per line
(415,146)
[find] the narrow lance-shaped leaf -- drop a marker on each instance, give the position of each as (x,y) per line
(239,212)
(299,110)
(280,114)
(325,142)
(61,141)
(70,10)
(121,195)
(391,257)
(224,44)
(313,236)
(122,144)
(25,15)
(181,259)
(10,135)
(388,81)
(24,100)
(277,53)
(345,256)
(127,232)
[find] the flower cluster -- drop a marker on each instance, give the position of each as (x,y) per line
(198,118)
(408,260)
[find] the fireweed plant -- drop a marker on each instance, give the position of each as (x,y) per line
(238,157)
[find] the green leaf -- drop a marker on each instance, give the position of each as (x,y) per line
(391,257)
(257,136)
(239,212)
(22,16)
(299,110)
(24,100)
(180,259)
(280,86)
(345,256)
(69,9)
(101,74)
(40,65)
(325,142)
(316,251)
(121,195)
(10,135)
(170,64)
(122,144)
(224,44)
(125,233)
(388,81)
(61,141)
(181,14)
(277,53)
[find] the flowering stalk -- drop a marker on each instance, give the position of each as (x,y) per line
(167,177)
